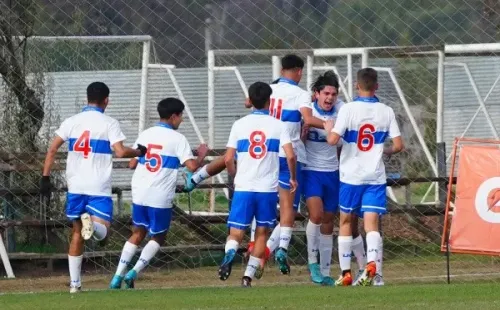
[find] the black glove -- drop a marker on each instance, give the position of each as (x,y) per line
(45,185)
(142,149)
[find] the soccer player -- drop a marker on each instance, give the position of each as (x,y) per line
(364,125)
(321,180)
(92,136)
(256,139)
(153,187)
(290,104)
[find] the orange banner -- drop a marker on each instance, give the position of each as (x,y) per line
(475,225)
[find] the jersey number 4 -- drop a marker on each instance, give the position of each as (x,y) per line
(276,108)
(257,148)
(82,145)
(153,158)
(366,140)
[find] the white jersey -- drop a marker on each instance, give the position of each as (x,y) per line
(364,125)
(155,177)
(286,100)
(321,156)
(90,135)
(257,139)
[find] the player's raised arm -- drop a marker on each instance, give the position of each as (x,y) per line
(306,111)
(335,130)
(394,133)
(190,163)
(116,138)
(232,144)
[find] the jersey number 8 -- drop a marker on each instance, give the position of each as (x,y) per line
(366,140)
(258,148)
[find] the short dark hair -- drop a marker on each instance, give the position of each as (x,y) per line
(170,106)
(292,61)
(329,78)
(97,92)
(259,93)
(367,79)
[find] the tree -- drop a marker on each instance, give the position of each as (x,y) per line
(17,20)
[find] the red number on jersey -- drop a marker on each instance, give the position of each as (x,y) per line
(83,144)
(150,156)
(366,140)
(257,140)
(276,109)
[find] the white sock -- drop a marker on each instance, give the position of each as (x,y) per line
(358,248)
(345,244)
(312,234)
(231,245)
(253,264)
(285,237)
(200,175)
(75,268)
(252,230)
(128,253)
(372,244)
(274,240)
(147,254)
(380,256)
(325,253)
(100,231)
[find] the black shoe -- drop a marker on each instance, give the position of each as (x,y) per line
(227,265)
(246,282)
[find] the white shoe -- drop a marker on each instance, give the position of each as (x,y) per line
(358,276)
(75,289)
(87,226)
(378,280)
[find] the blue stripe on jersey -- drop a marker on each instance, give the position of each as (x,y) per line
(351,136)
(273,145)
(316,136)
(170,162)
(96,146)
(291,116)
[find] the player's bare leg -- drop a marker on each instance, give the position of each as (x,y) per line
(345,249)
(233,241)
(315,207)
(256,257)
(215,167)
(373,237)
(358,247)
(326,247)
(75,257)
(287,219)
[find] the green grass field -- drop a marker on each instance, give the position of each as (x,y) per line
(435,296)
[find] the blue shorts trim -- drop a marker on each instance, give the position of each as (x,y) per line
(284,180)
(363,198)
(324,185)
(155,220)
(98,206)
(247,205)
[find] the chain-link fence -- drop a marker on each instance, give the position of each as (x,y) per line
(50,50)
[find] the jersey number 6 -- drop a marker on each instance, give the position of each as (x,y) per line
(366,140)
(258,148)
(150,156)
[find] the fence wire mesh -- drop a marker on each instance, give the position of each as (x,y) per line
(44,81)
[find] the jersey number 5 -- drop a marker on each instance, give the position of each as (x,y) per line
(366,140)
(150,157)
(82,145)
(258,148)
(276,108)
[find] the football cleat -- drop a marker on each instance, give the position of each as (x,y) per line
(87,226)
(378,280)
(358,276)
(246,282)
(344,280)
(281,258)
(116,282)
(315,273)
(130,278)
(189,185)
(227,265)
(75,289)
(328,281)
(366,279)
